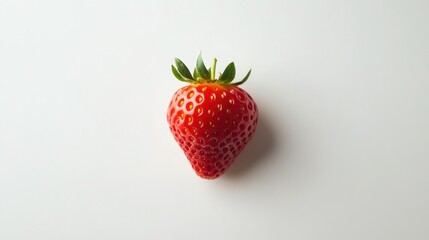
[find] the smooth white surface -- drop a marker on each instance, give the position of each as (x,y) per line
(341,152)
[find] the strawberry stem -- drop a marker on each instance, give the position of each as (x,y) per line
(213,70)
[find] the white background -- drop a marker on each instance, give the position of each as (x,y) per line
(341,151)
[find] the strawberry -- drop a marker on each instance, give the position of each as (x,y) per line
(211,119)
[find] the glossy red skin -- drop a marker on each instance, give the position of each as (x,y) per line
(212,124)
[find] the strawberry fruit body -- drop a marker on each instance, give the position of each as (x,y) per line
(211,119)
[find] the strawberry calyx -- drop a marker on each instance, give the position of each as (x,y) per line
(203,75)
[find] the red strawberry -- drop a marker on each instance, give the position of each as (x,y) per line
(211,119)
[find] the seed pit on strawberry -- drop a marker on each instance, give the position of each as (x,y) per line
(240,96)
(190,119)
(190,94)
(212,97)
(181,102)
(189,106)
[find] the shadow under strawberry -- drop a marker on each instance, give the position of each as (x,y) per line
(263,143)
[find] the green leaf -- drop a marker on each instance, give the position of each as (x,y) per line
(196,75)
(244,79)
(228,74)
(180,77)
(183,70)
(201,68)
